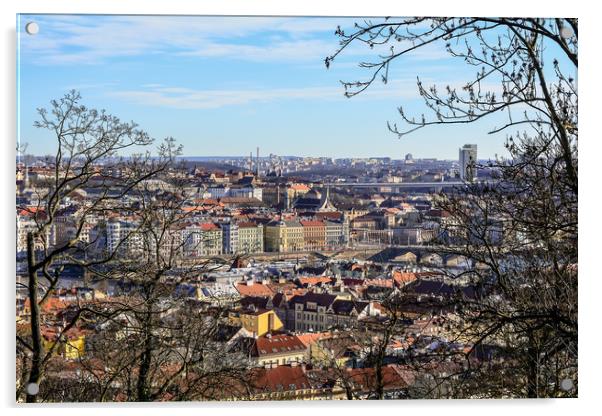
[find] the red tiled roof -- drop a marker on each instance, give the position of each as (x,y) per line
(246,224)
(394,377)
(256,289)
(314,280)
(403,277)
(52,304)
(309,338)
(280,379)
(278,344)
(299,187)
(207,201)
(312,223)
(208,226)
(31,211)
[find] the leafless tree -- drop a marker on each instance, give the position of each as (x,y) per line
(89,145)
(173,352)
(519,231)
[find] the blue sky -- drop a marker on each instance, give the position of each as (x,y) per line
(224,85)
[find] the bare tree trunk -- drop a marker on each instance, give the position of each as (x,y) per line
(380,391)
(349,392)
(142,390)
(532,376)
(35,371)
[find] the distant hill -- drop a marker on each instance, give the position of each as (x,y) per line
(210,165)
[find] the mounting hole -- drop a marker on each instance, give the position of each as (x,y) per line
(33,389)
(566,32)
(32,28)
(566,384)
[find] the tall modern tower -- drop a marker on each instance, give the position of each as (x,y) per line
(468,161)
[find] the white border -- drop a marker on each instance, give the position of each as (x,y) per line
(590,293)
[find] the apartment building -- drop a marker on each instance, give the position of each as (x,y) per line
(321,311)
(250,238)
(284,236)
(314,234)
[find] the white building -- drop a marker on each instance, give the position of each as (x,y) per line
(122,235)
(468,160)
(218,192)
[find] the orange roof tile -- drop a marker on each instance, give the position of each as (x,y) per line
(401,278)
(52,304)
(256,289)
(299,187)
(314,280)
(208,226)
(312,223)
(278,344)
(246,224)
(309,338)
(281,378)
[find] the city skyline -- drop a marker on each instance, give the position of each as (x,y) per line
(191,77)
(322,259)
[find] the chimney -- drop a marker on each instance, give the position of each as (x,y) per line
(257,163)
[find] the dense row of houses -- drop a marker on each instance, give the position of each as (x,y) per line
(204,238)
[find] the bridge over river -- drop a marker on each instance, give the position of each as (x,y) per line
(397,186)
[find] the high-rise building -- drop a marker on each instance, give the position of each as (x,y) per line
(468,161)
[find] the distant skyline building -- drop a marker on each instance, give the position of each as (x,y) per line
(468,160)
(409,157)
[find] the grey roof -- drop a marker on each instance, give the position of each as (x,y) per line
(322,299)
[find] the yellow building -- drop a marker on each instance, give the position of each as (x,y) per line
(71,346)
(284,236)
(295,240)
(275,234)
(250,238)
(260,321)
(211,240)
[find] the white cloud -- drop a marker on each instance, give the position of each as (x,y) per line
(188,98)
(93,39)
(76,39)
(296,50)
